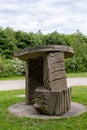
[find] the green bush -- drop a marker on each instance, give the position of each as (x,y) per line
(75,64)
(11,67)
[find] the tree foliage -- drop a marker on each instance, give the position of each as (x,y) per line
(11,41)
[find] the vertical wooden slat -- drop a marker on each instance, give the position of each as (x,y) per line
(27,82)
(46,81)
(57,73)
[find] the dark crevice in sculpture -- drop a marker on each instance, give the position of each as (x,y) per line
(35,76)
(57,79)
(58,70)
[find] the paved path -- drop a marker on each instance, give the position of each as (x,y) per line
(77,81)
(12,84)
(20,84)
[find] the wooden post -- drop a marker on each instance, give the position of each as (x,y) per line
(27,82)
(57,72)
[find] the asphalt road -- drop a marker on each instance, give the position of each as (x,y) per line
(20,84)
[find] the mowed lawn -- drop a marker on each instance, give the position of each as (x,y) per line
(10,122)
(69,75)
(77,75)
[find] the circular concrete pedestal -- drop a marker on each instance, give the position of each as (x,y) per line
(23,110)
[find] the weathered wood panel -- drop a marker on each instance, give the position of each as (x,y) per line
(46,80)
(57,66)
(52,103)
(57,73)
(55,57)
(58,85)
(27,83)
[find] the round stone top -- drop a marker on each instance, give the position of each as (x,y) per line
(39,51)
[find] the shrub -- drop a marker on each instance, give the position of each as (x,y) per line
(11,67)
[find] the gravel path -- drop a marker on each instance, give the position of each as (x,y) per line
(20,84)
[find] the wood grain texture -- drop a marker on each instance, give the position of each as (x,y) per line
(52,103)
(57,73)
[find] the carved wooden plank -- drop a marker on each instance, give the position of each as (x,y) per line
(27,83)
(58,85)
(57,66)
(62,102)
(57,76)
(55,57)
(46,80)
(51,103)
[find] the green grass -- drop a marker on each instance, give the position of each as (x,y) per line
(10,122)
(79,75)
(12,78)
(69,75)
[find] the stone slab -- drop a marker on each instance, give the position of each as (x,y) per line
(22,110)
(39,51)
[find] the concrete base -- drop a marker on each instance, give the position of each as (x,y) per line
(23,110)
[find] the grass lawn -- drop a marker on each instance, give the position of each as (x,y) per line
(12,78)
(10,122)
(73,75)
(69,75)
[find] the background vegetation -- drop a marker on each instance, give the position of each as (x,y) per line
(11,41)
